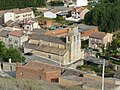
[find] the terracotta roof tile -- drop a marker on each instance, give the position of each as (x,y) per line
(35,65)
(17,10)
(16,33)
(98,35)
(57,32)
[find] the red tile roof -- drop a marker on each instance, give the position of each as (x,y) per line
(57,32)
(16,33)
(35,65)
(98,35)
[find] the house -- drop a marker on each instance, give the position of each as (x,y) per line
(4,34)
(17,38)
(58,33)
(29,25)
(51,13)
(77,3)
(17,14)
(64,50)
(44,22)
(77,13)
(98,39)
(80,3)
(38,71)
(86,31)
(9,22)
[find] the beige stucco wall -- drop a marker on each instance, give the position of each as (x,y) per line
(5,40)
(46,43)
(62,59)
(19,40)
(33,41)
(107,39)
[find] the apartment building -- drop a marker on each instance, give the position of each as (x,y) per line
(98,39)
(17,38)
(17,14)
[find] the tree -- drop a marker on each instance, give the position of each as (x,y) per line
(118,39)
(10,4)
(14,54)
(114,46)
(2,48)
(103,50)
(59,19)
(105,15)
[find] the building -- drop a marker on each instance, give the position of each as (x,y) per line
(80,3)
(44,22)
(17,14)
(77,3)
(17,38)
(64,50)
(30,25)
(58,33)
(38,71)
(98,39)
(4,34)
(86,31)
(77,13)
(51,13)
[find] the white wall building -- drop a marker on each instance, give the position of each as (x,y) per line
(80,3)
(18,14)
(78,13)
(30,25)
(51,13)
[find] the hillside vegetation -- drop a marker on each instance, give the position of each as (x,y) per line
(10,4)
(106,15)
(25,84)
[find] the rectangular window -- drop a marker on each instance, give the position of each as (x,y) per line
(68,38)
(74,38)
(49,56)
(39,77)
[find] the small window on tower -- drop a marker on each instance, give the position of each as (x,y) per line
(74,38)
(68,38)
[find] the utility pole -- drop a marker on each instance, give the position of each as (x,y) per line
(103,71)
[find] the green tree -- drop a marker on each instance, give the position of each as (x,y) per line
(59,19)
(114,46)
(2,48)
(105,15)
(14,54)
(103,50)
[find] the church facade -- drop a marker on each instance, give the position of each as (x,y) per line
(64,50)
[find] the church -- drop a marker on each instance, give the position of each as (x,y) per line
(64,50)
